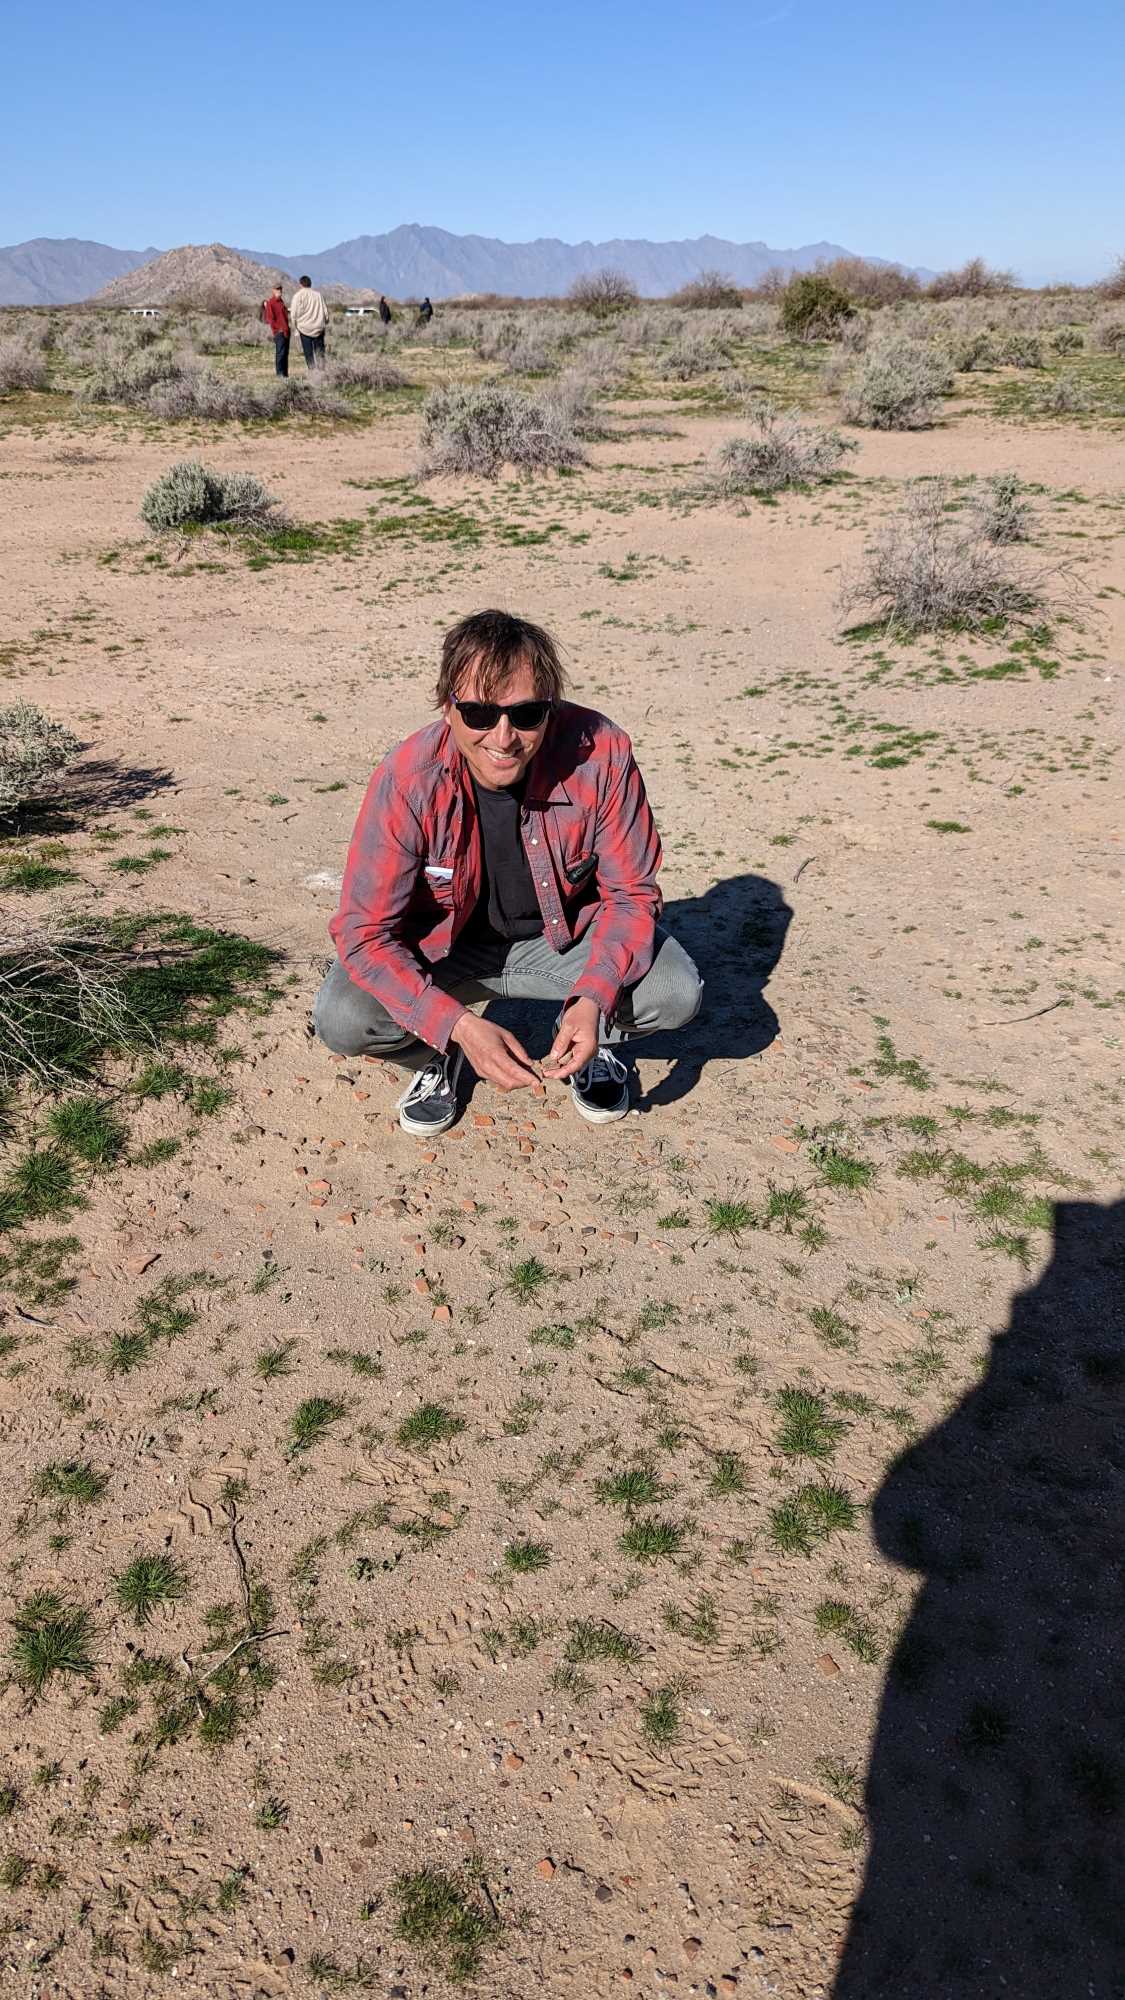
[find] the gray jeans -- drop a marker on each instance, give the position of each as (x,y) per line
(352,1022)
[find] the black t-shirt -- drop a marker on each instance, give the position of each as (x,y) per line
(507,904)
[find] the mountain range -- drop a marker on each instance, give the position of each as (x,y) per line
(415,258)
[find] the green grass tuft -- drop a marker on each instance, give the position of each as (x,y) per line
(443,1917)
(51,1637)
(311,1421)
(148,1583)
(429,1424)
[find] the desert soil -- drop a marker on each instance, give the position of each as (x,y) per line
(864,967)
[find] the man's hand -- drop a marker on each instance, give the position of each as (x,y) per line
(576,1043)
(496,1054)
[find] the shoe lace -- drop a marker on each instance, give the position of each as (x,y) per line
(424,1083)
(605,1067)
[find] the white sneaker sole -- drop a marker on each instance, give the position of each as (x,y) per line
(595,1114)
(418,1130)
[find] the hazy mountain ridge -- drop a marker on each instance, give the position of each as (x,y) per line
(417,258)
(410,260)
(55,270)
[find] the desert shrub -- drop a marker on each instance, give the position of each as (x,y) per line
(573,400)
(649,326)
(1113,287)
(1019,348)
(1068,340)
(33,751)
(710,288)
(813,308)
(603,293)
(855,334)
(196,392)
(189,494)
(75,992)
(122,376)
(870,284)
(1110,336)
(973,280)
(896,385)
(695,353)
(1002,510)
(364,371)
(21,367)
(478,429)
(973,350)
(1064,397)
(780,450)
(930,570)
(533,356)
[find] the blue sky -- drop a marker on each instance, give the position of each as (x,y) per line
(923,133)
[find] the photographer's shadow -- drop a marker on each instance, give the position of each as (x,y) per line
(736,934)
(996,1790)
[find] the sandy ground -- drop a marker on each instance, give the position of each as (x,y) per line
(245,708)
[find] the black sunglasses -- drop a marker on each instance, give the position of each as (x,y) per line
(486,714)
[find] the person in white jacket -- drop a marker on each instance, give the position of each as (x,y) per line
(309,315)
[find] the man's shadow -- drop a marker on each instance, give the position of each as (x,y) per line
(996,1790)
(736,934)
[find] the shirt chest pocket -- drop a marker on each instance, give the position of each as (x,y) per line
(438,883)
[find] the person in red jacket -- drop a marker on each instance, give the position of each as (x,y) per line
(506,849)
(276,317)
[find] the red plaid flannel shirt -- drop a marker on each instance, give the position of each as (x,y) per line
(413,872)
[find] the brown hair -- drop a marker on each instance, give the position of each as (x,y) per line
(497,644)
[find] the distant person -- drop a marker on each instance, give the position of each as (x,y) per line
(425,313)
(507,848)
(385,313)
(310,317)
(277,319)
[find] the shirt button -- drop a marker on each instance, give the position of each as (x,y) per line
(534,842)
(555,921)
(543,882)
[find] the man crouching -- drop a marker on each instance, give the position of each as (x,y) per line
(506,849)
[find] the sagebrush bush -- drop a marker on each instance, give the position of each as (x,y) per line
(603,293)
(1068,340)
(1113,287)
(1020,348)
(533,356)
(33,751)
(813,308)
(1066,396)
(364,371)
(127,375)
(710,288)
(779,451)
(1002,510)
(478,429)
(196,392)
(896,385)
(189,494)
(21,367)
(931,570)
(695,353)
(1109,335)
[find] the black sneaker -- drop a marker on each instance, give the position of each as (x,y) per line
(428,1105)
(601,1090)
